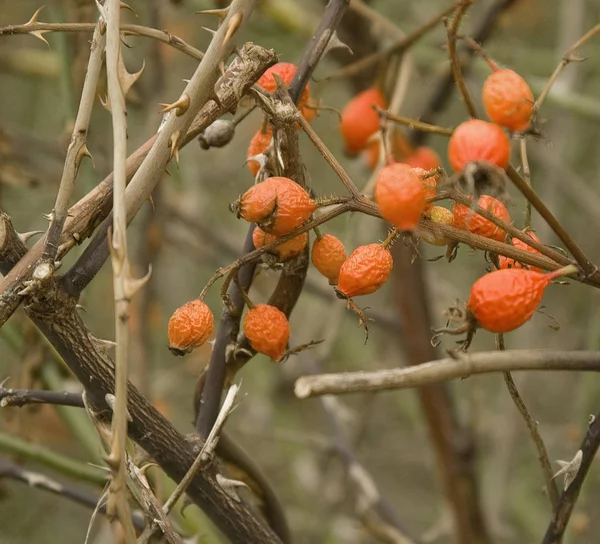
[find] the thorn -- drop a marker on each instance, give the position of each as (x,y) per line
(80,307)
(127,79)
(213,32)
(229,486)
(102,10)
(104,102)
(111,401)
(132,285)
(83,152)
(232,26)
(174,141)
(39,35)
(570,469)
(57,265)
(24,236)
(151,202)
(76,237)
(48,216)
(222,68)
(335,43)
(146,467)
(34,17)
(128,7)
(220,13)
(180,106)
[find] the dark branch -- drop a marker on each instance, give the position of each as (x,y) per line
(23,397)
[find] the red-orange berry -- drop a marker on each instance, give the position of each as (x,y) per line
(424,157)
(508,100)
(507,262)
(467,219)
(477,140)
(360,121)
(503,300)
(286,71)
(268,330)
(328,255)
(189,327)
(258,145)
(278,205)
(284,251)
(400,195)
(365,271)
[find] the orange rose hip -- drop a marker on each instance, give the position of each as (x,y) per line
(507,262)
(328,255)
(189,327)
(284,251)
(258,145)
(360,121)
(400,195)
(268,330)
(365,271)
(467,219)
(508,100)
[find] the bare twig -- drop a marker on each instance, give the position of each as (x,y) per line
(414,124)
(447,369)
(24,397)
(574,482)
(452,30)
(568,57)
(46,483)
(77,149)
(123,286)
(531,424)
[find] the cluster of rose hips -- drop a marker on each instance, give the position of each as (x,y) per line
(404,191)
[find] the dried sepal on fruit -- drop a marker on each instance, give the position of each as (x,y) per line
(360,121)
(400,195)
(364,271)
(466,218)
(268,330)
(189,327)
(293,247)
(507,262)
(477,140)
(278,205)
(328,255)
(503,300)
(258,145)
(442,216)
(508,100)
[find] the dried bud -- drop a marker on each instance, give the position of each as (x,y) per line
(219,134)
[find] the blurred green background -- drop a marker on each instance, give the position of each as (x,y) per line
(192,233)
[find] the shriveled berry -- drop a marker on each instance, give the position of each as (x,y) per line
(507,262)
(508,100)
(365,271)
(189,327)
(284,251)
(360,121)
(477,140)
(286,71)
(328,256)
(424,157)
(258,145)
(443,216)
(503,300)
(268,330)
(278,205)
(467,219)
(400,194)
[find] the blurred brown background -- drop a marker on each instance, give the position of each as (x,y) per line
(192,233)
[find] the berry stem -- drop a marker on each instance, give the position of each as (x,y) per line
(318,233)
(391,237)
(564,271)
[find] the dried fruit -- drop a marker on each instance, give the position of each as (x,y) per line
(189,327)
(467,219)
(443,216)
(477,140)
(508,100)
(507,262)
(400,195)
(365,271)
(284,251)
(429,180)
(258,145)
(360,121)
(286,71)
(503,300)
(278,205)
(268,330)
(328,256)
(424,157)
